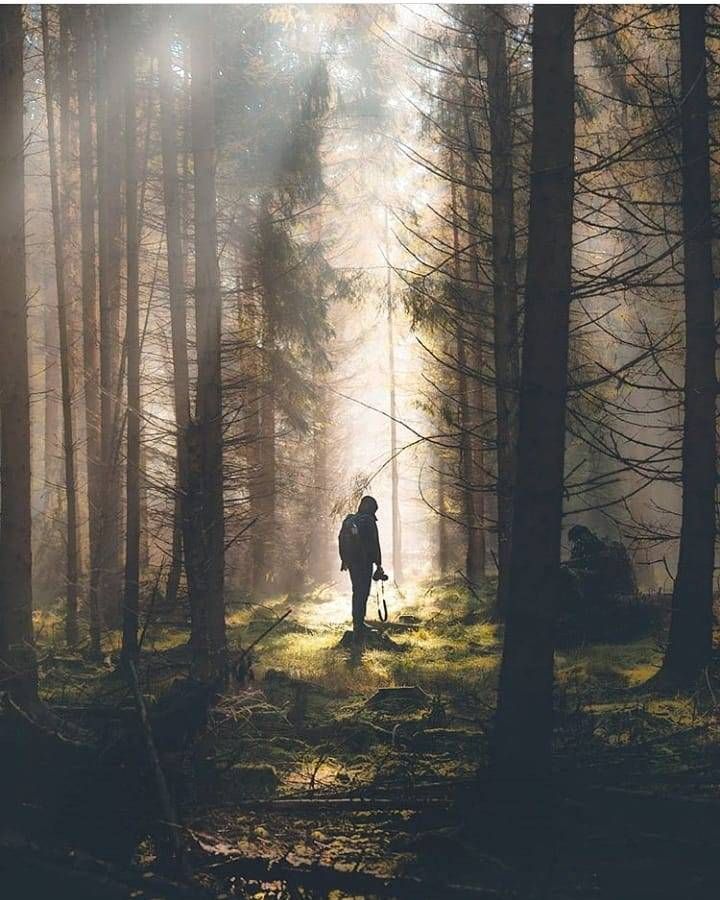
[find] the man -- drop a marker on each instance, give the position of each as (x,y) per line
(359,545)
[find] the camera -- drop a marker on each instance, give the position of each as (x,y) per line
(379,574)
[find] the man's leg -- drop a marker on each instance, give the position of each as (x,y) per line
(361,579)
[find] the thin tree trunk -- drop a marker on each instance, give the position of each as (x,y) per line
(443,543)
(266,486)
(264,562)
(475,394)
(178,317)
(505,307)
(51,442)
(110,167)
(690,642)
(17,653)
(131,605)
(319,556)
(71,543)
(523,740)
(91,347)
(474,558)
(394,473)
(210,650)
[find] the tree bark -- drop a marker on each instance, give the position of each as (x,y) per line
(110,168)
(474,557)
(266,482)
(523,740)
(17,653)
(394,473)
(207,533)
(51,438)
(443,543)
(91,347)
(504,265)
(690,641)
(71,542)
(172,199)
(131,604)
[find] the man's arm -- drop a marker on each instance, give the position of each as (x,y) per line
(376,551)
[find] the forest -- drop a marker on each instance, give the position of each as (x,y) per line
(358,451)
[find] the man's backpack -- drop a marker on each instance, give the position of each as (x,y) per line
(350,540)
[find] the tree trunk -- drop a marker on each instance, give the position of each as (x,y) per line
(263,568)
(91,347)
(523,741)
(110,168)
(51,441)
(17,654)
(71,543)
(320,565)
(178,317)
(690,643)
(394,473)
(443,543)
(131,605)
(266,482)
(504,265)
(208,531)
(474,558)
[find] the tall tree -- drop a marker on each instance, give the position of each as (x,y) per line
(504,268)
(172,199)
(523,739)
(59,221)
(131,604)
(91,347)
(17,655)
(109,50)
(394,471)
(205,551)
(690,643)
(474,556)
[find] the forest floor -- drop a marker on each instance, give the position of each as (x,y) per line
(366,772)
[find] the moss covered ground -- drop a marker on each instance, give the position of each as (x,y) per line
(318,723)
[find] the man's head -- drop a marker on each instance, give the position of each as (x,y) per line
(579,533)
(368,505)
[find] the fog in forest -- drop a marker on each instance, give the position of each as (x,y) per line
(357,441)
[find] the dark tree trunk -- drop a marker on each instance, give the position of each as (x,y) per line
(474,561)
(91,346)
(476,549)
(523,740)
(178,316)
(110,169)
(71,542)
(266,482)
(206,551)
(320,564)
(264,562)
(51,440)
(17,653)
(690,643)
(394,470)
(131,604)
(505,311)
(443,543)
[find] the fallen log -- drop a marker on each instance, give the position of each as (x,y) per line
(328,878)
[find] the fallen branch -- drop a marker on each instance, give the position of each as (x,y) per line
(167,807)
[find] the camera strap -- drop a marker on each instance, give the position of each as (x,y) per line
(380,597)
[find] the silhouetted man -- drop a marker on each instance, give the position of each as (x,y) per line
(359,544)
